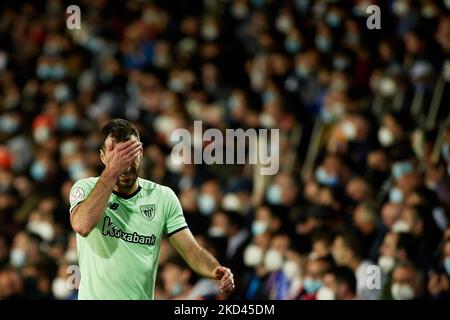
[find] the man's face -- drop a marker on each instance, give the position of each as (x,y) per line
(128,177)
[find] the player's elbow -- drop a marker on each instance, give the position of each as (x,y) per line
(79,226)
(81,229)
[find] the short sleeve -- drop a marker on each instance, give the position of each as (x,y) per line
(174,214)
(80,190)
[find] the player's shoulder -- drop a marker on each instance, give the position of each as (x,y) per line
(89,182)
(150,186)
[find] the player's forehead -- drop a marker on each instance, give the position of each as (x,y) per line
(110,139)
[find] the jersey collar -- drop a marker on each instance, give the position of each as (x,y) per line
(127,196)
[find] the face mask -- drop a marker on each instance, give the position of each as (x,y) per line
(387,87)
(400,169)
(76,170)
(231,202)
(402,292)
(42,228)
(283,24)
(324,178)
(259,227)
(176,85)
(41,134)
(386,263)
(401,226)
(349,130)
(206,204)
(239,11)
(60,289)
(38,171)
(253,256)
(395,195)
(257,3)
(323,44)
(274,194)
(333,20)
(216,232)
(310,285)
(67,122)
(292,46)
(269,96)
(8,124)
(210,32)
(18,257)
(67,148)
(385,137)
(447,265)
(176,290)
(291,269)
(445,151)
(62,93)
(273,260)
(302,70)
(340,64)
(400,8)
(71,256)
(447,4)
(325,293)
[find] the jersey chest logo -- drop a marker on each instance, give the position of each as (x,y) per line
(148,211)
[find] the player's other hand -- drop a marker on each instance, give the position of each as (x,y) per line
(119,156)
(225,277)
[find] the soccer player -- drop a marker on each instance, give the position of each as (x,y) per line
(120,220)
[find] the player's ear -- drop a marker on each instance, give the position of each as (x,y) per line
(102,156)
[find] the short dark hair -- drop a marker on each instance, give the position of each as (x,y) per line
(120,130)
(352,242)
(345,275)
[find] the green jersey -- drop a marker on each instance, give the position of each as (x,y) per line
(119,257)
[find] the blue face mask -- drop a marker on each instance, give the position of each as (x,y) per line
(67,122)
(323,44)
(325,179)
(259,227)
(8,124)
(38,171)
(310,285)
(292,46)
(333,20)
(445,151)
(206,204)
(395,195)
(257,3)
(274,194)
(401,168)
(447,265)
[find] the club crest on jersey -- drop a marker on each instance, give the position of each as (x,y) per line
(148,211)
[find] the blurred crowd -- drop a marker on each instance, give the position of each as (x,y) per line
(360,208)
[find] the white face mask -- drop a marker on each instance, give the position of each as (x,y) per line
(273,260)
(42,228)
(401,226)
(231,202)
(60,289)
(18,257)
(349,130)
(206,204)
(395,195)
(216,232)
(325,293)
(386,263)
(402,292)
(385,137)
(71,256)
(253,255)
(291,269)
(259,227)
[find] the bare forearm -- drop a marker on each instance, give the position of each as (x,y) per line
(202,262)
(87,214)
